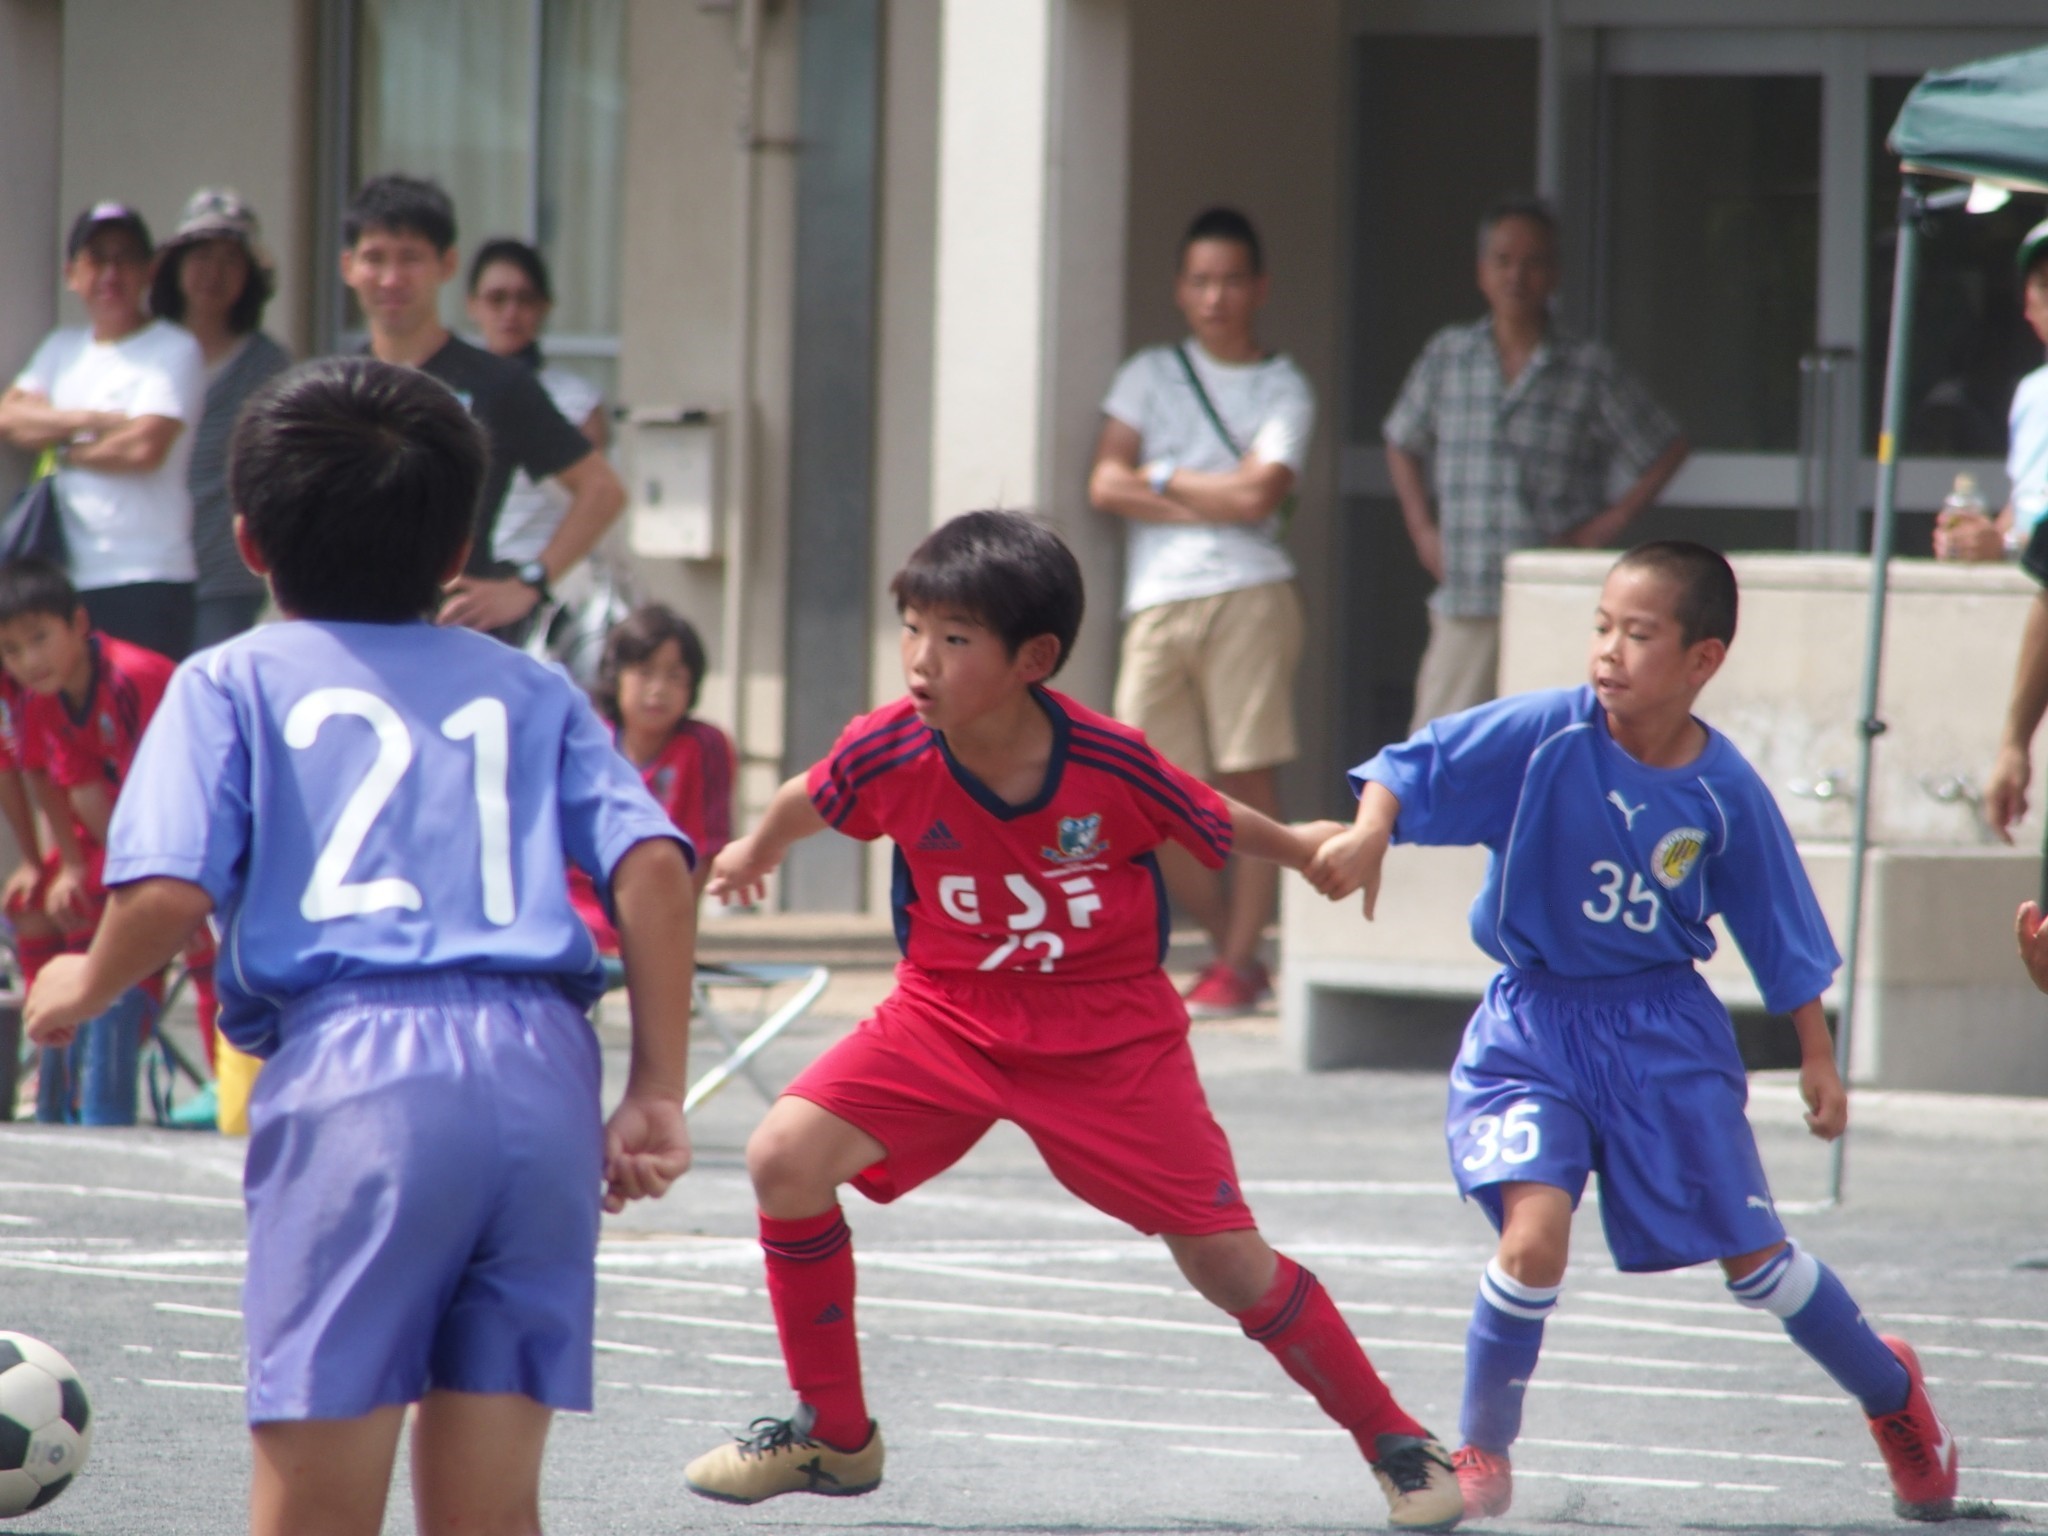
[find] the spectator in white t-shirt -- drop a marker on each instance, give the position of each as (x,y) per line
(1202,445)
(510,297)
(117,398)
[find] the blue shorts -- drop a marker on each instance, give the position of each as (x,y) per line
(424,1179)
(1635,1078)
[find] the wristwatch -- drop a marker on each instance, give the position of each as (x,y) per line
(535,575)
(1159,474)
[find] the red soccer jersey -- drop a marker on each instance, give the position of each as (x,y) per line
(97,743)
(13,725)
(1065,887)
(691,777)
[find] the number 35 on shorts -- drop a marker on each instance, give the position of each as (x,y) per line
(1512,1137)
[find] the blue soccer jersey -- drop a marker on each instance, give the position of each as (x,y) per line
(362,800)
(1603,865)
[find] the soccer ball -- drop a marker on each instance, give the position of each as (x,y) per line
(45,1424)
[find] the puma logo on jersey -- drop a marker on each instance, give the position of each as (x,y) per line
(1758,1202)
(1629,813)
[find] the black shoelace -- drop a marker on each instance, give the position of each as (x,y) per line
(1408,1468)
(1907,1433)
(766,1435)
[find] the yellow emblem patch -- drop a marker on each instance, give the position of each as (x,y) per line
(1676,853)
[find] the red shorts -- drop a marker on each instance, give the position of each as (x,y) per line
(1098,1074)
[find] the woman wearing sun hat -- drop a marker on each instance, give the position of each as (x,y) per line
(214,277)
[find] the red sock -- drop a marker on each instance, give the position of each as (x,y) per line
(206,1000)
(1302,1329)
(810,1284)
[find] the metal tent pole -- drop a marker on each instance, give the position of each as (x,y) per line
(1913,206)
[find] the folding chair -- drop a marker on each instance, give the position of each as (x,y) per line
(761,979)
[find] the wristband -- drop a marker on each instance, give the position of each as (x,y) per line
(1159,475)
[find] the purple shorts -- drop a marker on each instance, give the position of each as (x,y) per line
(425,1172)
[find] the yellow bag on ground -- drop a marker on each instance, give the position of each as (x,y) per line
(234,1077)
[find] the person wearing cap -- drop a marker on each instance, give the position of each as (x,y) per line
(213,277)
(117,397)
(1967,536)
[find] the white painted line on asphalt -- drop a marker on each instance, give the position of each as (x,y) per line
(681,1320)
(1976,1471)
(102,1272)
(158,1258)
(1057,1384)
(1706,1394)
(614,1347)
(139,1349)
(115,1192)
(663,1283)
(1041,1417)
(1038,1314)
(194,1386)
(769,1362)
(207,1354)
(1667,1330)
(1032,1346)
(188,1309)
(1348,1187)
(1613,1479)
(670,1390)
(976,1434)
(1942,1320)
(902,1265)
(1644,1362)
(1680,1450)
(8,1219)
(1233,1451)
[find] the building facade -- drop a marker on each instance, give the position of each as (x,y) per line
(852,266)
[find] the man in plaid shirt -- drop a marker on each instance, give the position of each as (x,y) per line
(1512,427)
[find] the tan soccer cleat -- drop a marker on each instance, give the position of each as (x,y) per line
(779,1456)
(1419,1482)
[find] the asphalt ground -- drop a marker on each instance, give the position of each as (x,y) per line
(1039,1369)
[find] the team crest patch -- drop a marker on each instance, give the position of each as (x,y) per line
(1676,853)
(1080,838)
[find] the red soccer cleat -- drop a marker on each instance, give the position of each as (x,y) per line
(1485,1478)
(1919,1452)
(1223,991)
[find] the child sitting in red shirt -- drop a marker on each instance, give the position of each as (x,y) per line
(647,684)
(87,698)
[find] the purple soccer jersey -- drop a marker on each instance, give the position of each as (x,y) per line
(363,800)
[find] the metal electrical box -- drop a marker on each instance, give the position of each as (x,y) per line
(672,489)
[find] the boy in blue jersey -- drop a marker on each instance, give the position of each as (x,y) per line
(1619,824)
(377,812)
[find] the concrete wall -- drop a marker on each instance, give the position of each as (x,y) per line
(161,99)
(31,55)
(1244,104)
(680,327)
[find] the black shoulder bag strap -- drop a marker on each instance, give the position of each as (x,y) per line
(1285,511)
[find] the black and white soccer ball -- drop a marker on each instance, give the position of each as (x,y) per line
(45,1424)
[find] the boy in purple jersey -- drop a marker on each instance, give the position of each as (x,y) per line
(1032,917)
(376,812)
(1619,825)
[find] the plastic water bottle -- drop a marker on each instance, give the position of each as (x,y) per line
(1964,497)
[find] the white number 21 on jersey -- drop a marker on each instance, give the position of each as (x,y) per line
(482,722)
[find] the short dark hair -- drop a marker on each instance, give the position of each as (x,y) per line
(1518,205)
(1005,570)
(359,481)
(1706,603)
(35,586)
(404,205)
(167,299)
(635,638)
(519,254)
(1224,224)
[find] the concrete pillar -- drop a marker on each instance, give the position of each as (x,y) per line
(1032,185)
(31,46)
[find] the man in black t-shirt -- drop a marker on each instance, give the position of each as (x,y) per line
(398,249)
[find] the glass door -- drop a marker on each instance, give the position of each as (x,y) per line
(1744,235)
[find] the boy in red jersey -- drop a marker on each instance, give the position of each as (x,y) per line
(86,699)
(1032,919)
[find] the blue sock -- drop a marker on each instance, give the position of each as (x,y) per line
(1823,1320)
(1501,1345)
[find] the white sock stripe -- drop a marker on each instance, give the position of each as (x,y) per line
(1783,1286)
(1503,1292)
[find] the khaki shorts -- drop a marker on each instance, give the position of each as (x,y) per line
(1210,680)
(1460,668)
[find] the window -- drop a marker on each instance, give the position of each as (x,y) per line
(517,107)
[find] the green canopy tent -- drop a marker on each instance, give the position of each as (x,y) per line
(1983,123)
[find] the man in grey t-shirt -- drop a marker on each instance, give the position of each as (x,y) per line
(1201,447)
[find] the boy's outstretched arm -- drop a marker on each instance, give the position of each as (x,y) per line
(1289,844)
(647,1139)
(740,872)
(1820,1083)
(1351,860)
(146,924)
